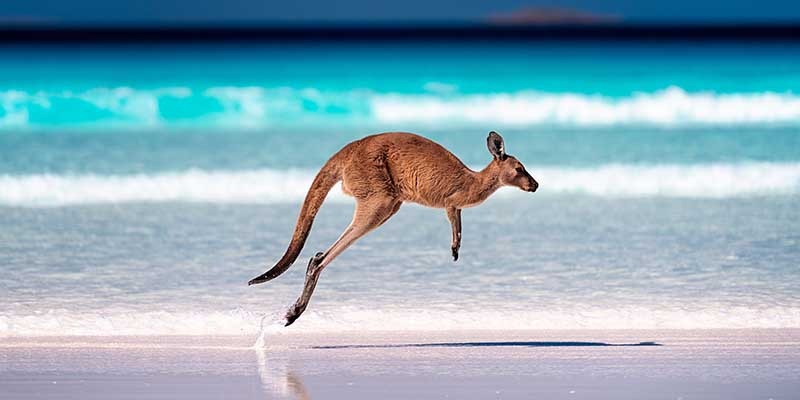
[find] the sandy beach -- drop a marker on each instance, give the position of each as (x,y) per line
(678,364)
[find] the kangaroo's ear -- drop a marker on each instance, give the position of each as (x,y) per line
(496,146)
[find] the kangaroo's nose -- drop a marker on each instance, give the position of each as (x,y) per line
(534,187)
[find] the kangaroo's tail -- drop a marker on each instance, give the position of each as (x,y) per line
(323,182)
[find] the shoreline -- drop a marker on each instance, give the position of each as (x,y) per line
(275,335)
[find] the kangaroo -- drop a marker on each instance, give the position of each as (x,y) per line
(381,172)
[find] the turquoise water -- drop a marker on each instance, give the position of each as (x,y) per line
(669,174)
(104,109)
(399,85)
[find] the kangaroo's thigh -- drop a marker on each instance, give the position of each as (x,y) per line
(368,180)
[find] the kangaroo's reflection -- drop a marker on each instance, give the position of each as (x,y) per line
(277,380)
(296,387)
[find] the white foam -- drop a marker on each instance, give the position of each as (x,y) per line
(128,322)
(290,186)
(670,107)
(259,186)
(694,181)
(344,319)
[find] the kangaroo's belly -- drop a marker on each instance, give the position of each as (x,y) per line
(423,200)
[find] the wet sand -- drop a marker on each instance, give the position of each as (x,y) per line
(680,364)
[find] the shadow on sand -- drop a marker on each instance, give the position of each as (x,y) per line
(487,344)
(278,380)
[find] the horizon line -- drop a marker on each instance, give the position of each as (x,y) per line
(399,31)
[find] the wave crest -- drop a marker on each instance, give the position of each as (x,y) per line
(441,105)
(278,186)
(672,106)
(260,186)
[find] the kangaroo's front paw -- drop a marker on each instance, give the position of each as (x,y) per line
(455,253)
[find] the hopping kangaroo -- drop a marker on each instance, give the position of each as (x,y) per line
(381,172)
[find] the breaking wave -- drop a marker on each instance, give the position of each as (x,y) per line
(259,106)
(669,107)
(277,186)
(242,322)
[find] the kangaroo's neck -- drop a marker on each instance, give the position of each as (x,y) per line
(484,183)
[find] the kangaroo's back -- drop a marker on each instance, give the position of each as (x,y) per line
(415,168)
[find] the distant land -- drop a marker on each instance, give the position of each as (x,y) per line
(552,16)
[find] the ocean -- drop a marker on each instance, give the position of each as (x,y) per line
(142,186)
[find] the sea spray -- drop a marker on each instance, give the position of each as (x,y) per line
(270,325)
(272,368)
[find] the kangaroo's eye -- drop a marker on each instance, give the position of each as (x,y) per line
(520,170)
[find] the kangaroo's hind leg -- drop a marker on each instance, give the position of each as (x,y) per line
(369,214)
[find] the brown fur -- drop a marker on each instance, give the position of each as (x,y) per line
(383,171)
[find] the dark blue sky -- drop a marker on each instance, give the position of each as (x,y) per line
(166,11)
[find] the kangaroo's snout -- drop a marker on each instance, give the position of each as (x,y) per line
(531,186)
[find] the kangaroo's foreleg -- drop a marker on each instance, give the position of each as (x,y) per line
(369,215)
(454,215)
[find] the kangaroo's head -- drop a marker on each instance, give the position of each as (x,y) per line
(512,172)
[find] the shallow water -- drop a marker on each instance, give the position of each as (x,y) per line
(534,261)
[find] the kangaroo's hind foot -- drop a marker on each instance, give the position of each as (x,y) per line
(312,275)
